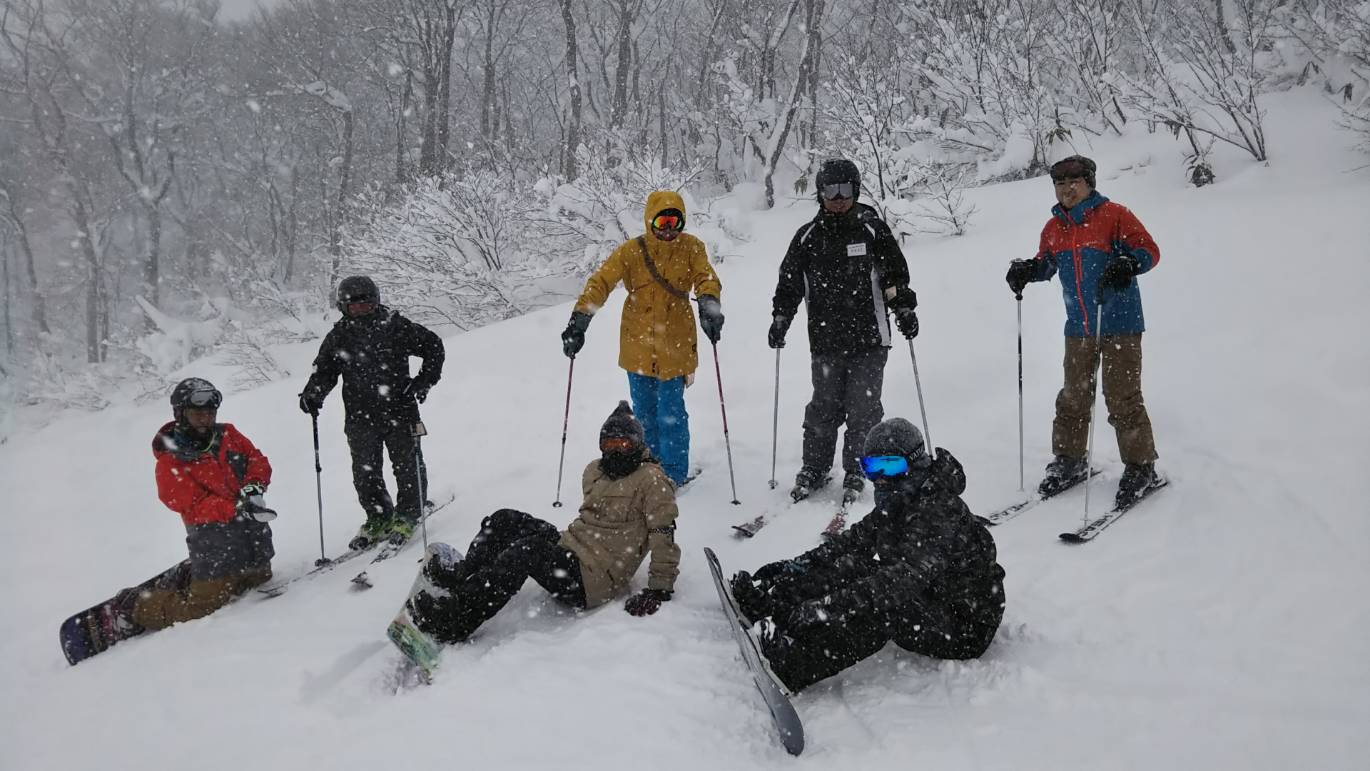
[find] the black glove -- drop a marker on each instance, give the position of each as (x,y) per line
(646,602)
(251,505)
(779,326)
(902,304)
(573,339)
(1118,273)
(417,389)
(1020,274)
(772,570)
(711,317)
(907,321)
(311,402)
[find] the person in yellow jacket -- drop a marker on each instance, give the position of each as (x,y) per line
(657,343)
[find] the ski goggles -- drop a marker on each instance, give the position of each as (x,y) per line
(884,466)
(668,222)
(837,190)
(204,398)
(360,308)
(617,444)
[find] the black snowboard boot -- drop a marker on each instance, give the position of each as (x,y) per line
(1137,478)
(1062,472)
(806,481)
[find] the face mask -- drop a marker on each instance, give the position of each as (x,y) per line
(617,465)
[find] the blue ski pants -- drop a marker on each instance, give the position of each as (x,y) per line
(660,407)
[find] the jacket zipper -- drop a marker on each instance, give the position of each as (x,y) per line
(1079,270)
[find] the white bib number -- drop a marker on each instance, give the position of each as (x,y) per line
(856,250)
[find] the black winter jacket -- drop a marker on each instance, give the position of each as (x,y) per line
(371,354)
(921,554)
(842,267)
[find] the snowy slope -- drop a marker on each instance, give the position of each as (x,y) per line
(1222,625)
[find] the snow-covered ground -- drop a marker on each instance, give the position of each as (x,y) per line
(1221,625)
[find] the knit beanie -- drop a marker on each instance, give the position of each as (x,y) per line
(622,425)
(896,436)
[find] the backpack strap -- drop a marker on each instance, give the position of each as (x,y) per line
(656,275)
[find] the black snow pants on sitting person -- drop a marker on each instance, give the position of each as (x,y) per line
(510,548)
(920,622)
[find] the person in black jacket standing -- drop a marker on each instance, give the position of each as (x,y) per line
(920,570)
(370,348)
(847,267)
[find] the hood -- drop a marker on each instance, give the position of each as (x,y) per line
(659,201)
(945,472)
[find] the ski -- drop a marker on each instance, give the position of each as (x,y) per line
(391,547)
(752,527)
(772,691)
(277,587)
(1003,515)
(688,484)
(1092,528)
(838,523)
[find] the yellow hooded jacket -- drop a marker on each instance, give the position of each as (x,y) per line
(657,334)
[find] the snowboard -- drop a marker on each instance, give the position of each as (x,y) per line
(775,695)
(421,651)
(99,627)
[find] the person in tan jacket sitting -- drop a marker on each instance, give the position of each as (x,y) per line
(629,512)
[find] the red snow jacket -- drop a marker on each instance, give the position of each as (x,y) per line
(199,480)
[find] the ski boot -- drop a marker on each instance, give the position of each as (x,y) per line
(373,531)
(400,531)
(1137,479)
(1062,472)
(852,485)
(806,481)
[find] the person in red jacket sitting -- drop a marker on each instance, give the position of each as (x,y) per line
(215,478)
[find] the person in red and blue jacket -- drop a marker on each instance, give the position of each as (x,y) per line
(1098,248)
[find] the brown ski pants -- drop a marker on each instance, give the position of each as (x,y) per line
(159,607)
(1122,376)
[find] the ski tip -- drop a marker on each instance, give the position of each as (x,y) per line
(1073,538)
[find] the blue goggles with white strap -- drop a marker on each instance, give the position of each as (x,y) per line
(884,466)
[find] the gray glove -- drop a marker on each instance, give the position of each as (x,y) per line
(711,317)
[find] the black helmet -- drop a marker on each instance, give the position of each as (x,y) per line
(836,171)
(194,392)
(357,289)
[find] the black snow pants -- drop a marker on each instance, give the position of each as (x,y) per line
(922,623)
(846,389)
(406,460)
(511,547)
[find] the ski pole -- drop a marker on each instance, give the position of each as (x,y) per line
(727,444)
(318,490)
(420,478)
(1095,365)
(565,421)
(1021,483)
(918,383)
(775,419)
